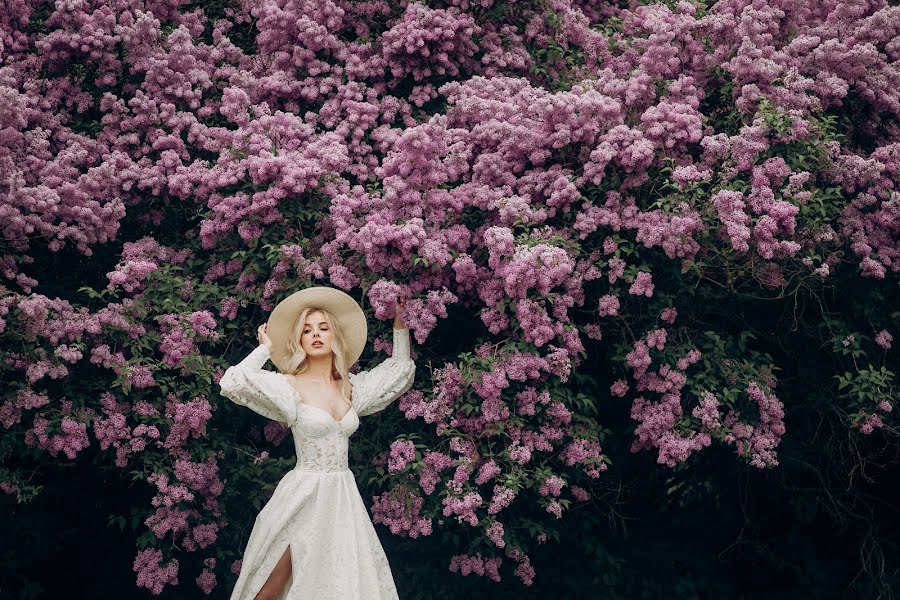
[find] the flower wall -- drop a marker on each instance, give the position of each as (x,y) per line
(588,205)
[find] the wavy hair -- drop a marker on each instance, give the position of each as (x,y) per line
(297,363)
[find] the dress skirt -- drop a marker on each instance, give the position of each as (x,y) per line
(335,550)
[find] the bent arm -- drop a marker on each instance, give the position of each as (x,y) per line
(375,389)
(248,384)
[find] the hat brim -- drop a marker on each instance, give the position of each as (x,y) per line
(350,316)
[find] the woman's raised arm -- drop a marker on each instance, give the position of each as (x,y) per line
(248,384)
(375,389)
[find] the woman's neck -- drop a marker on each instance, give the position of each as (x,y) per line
(319,369)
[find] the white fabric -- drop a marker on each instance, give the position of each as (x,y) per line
(317,509)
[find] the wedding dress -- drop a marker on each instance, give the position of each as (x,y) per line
(317,509)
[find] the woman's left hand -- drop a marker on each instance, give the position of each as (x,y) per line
(398,320)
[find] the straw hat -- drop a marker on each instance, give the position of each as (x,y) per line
(350,316)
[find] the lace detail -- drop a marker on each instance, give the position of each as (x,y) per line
(248,384)
(316,509)
(335,550)
(321,442)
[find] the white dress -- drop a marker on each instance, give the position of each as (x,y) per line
(317,509)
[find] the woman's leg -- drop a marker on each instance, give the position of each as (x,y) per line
(274,585)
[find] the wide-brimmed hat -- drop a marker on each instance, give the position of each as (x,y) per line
(350,316)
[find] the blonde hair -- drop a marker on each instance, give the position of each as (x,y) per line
(297,363)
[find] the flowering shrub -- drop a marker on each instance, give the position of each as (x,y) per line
(558,187)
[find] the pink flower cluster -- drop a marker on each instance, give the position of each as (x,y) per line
(140,259)
(867,422)
(658,420)
(501,498)
(588,453)
(206,581)
(401,453)
(70,441)
(151,574)
(187,420)
(401,510)
(477,564)
(429,476)
(463,508)
(884,339)
(113,431)
(495,532)
(425,42)
(758,442)
(488,471)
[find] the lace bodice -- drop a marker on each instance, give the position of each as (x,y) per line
(320,440)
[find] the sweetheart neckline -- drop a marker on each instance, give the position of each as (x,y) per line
(325,412)
(322,410)
(330,416)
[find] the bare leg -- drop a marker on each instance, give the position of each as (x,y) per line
(274,585)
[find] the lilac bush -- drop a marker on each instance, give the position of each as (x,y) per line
(568,174)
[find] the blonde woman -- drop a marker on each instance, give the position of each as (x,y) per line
(314,538)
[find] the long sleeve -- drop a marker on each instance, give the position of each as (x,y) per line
(248,384)
(375,389)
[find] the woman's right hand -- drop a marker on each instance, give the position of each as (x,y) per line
(262,337)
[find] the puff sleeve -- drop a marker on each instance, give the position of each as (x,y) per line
(248,384)
(375,389)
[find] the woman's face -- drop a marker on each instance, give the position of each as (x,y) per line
(315,331)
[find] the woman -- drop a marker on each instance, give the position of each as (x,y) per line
(314,538)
